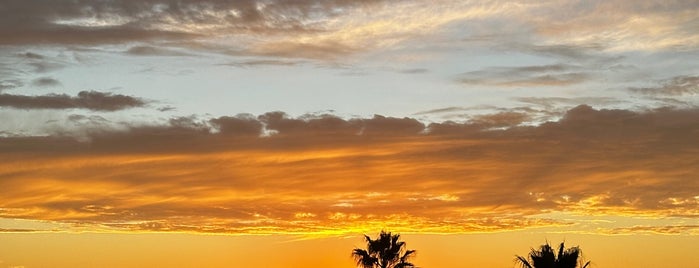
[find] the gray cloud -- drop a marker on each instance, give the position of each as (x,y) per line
(414,71)
(153,51)
(89,22)
(91,100)
(45,66)
(676,86)
(591,54)
(566,51)
(501,119)
(551,102)
(31,55)
(238,125)
(166,108)
(45,82)
(525,76)
(443,110)
(265,62)
(10,84)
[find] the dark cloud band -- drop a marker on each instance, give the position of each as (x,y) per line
(91,100)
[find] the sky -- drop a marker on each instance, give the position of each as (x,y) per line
(182,133)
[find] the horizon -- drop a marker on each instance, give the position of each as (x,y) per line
(186,133)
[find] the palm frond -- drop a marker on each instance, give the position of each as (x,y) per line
(363,258)
(547,257)
(560,250)
(404,265)
(523,262)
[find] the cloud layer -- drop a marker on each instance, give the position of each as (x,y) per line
(89,22)
(92,100)
(324,174)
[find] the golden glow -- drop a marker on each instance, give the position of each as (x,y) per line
(424,183)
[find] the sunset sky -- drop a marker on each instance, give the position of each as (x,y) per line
(251,133)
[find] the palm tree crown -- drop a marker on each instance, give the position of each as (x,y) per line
(545,257)
(384,252)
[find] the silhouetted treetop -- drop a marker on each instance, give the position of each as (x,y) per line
(383,252)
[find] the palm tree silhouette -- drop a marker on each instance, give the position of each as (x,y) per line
(545,257)
(384,252)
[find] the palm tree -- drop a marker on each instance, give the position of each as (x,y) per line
(384,252)
(545,257)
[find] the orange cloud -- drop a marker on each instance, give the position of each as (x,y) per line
(327,175)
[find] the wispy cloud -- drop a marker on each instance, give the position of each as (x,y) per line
(676,86)
(551,102)
(338,28)
(10,83)
(66,22)
(154,51)
(526,76)
(671,229)
(262,62)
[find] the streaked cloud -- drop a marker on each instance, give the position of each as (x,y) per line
(414,71)
(552,102)
(92,100)
(672,229)
(66,22)
(526,76)
(330,29)
(154,51)
(620,25)
(10,83)
(262,62)
(326,175)
(676,86)
(311,50)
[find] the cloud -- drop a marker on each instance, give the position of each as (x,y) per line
(263,62)
(621,25)
(166,108)
(80,35)
(31,55)
(526,76)
(45,66)
(676,86)
(317,50)
(563,51)
(6,230)
(551,102)
(153,51)
(414,71)
(443,110)
(333,30)
(45,82)
(672,229)
(238,125)
(10,84)
(67,22)
(501,119)
(489,174)
(92,100)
